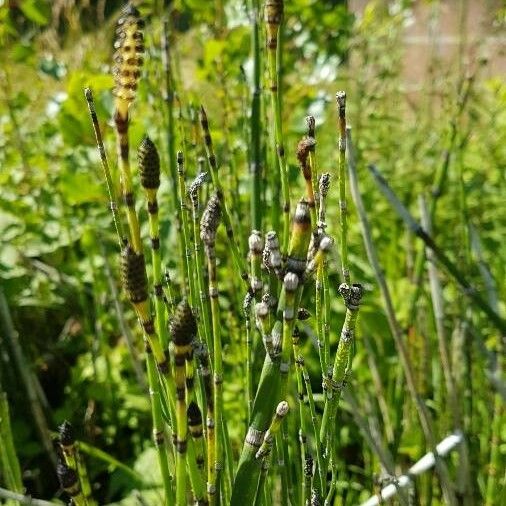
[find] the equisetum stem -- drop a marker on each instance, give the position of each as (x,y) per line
(314,423)
(113,201)
(201,287)
(255,123)
(311,125)
(352,296)
(213,164)
(264,450)
(303,381)
(249,341)
(10,463)
(168,96)
(269,387)
(274,19)
(185,236)
(183,329)
(158,425)
(149,169)
(256,246)
(218,365)
(343,209)
(208,228)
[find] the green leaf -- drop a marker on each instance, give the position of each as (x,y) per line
(37,11)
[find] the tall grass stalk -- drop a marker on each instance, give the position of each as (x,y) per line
(472,293)
(395,329)
(9,463)
(27,377)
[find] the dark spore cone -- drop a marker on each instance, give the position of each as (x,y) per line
(149,164)
(133,275)
(210,220)
(66,433)
(183,326)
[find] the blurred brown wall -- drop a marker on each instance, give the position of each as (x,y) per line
(436,29)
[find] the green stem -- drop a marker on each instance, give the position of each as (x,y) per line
(274,30)
(171,139)
(255,123)
(213,164)
(423,414)
(343,208)
(158,426)
(495,319)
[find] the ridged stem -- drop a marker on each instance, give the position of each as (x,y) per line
(255,123)
(274,29)
(213,164)
(185,235)
(218,372)
(168,96)
(343,208)
(201,285)
(158,426)
(113,201)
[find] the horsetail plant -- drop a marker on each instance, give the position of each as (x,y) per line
(183,329)
(208,228)
(69,482)
(273,14)
(276,278)
(72,456)
(128,60)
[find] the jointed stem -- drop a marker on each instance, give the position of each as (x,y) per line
(213,164)
(158,426)
(343,209)
(113,202)
(274,29)
(255,128)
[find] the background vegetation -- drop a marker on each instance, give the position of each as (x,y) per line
(63,349)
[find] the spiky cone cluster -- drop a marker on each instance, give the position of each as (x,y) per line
(149,164)
(135,284)
(210,221)
(128,58)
